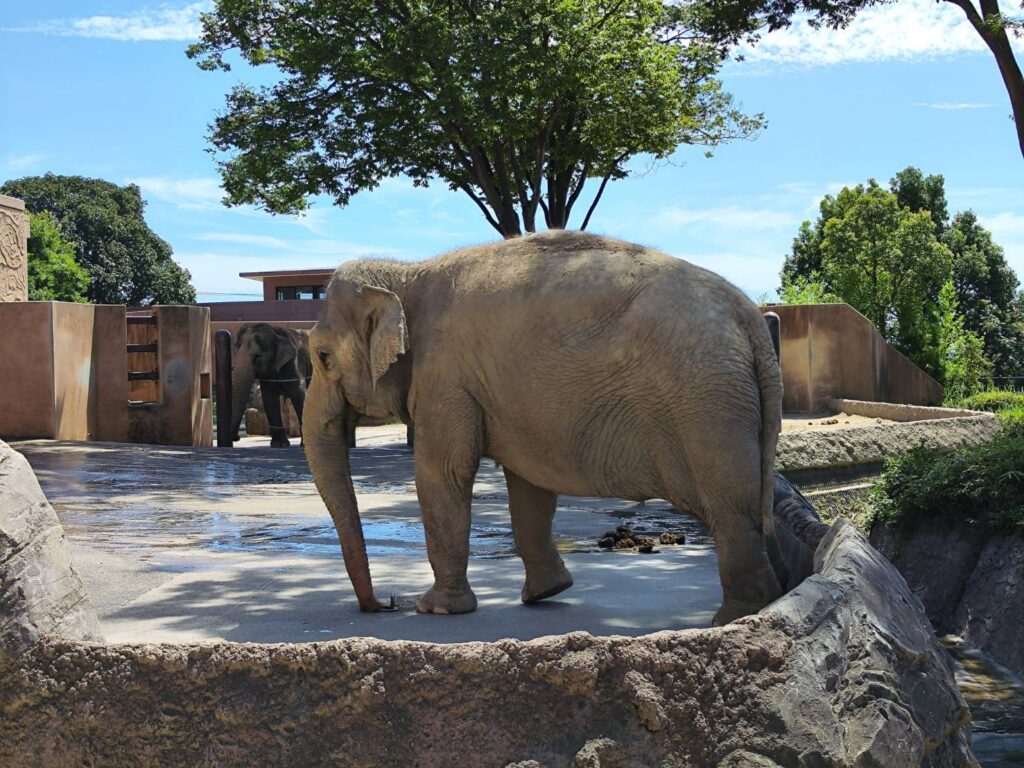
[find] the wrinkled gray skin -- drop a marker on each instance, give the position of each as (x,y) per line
(278,358)
(584,366)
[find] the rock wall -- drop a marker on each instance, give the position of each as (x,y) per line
(40,592)
(833,450)
(843,670)
(971,582)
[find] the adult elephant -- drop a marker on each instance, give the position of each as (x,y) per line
(584,366)
(278,358)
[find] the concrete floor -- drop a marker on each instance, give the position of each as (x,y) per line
(188,545)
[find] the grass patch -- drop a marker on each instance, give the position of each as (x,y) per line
(983,484)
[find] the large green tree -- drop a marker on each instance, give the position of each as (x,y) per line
(994,23)
(53,273)
(517,103)
(987,297)
(987,294)
(886,262)
(127,262)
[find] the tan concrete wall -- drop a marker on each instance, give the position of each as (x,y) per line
(26,375)
(69,381)
(263,311)
(13,250)
(832,351)
(183,412)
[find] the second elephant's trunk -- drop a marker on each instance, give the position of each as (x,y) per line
(325,438)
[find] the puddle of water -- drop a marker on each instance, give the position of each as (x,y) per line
(996,700)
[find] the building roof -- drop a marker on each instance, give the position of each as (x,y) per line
(326,271)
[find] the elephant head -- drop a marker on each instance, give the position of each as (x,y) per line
(260,352)
(355,346)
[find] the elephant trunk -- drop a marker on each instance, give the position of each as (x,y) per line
(241,385)
(325,438)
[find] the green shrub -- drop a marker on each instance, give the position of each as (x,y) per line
(984,484)
(993,400)
(1012,420)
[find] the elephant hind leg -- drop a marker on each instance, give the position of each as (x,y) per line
(532,510)
(728,491)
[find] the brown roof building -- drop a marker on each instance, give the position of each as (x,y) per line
(288,294)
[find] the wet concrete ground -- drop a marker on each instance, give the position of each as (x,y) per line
(185,544)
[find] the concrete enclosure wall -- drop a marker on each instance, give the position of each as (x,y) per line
(64,373)
(13,249)
(264,311)
(183,412)
(833,351)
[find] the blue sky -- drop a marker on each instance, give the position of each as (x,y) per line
(102,88)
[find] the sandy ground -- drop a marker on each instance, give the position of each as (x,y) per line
(184,545)
(823,421)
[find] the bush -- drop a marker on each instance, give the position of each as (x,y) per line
(983,485)
(1012,420)
(994,400)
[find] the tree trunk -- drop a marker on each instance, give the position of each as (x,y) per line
(996,39)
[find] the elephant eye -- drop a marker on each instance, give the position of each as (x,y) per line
(325,358)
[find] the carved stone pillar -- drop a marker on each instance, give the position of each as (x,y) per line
(13,250)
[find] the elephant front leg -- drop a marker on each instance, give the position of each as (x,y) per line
(446,465)
(275,420)
(532,510)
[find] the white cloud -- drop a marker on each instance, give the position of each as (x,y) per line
(731,217)
(198,194)
(164,23)
(15,163)
(258,241)
(1005,226)
(906,30)
(327,249)
(953,106)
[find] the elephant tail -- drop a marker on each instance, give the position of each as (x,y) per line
(769,382)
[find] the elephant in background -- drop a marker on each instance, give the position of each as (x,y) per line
(278,358)
(582,365)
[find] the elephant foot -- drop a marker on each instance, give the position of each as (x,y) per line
(279,442)
(547,584)
(436,600)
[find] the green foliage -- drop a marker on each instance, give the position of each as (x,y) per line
(987,292)
(1012,421)
(53,273)
(883,260)
(965,370)
(517,104)
(883,230)
(126,261)
(984,484)
(994,400)
(807,290)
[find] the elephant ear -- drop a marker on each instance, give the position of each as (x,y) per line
(285,349)
(386,333)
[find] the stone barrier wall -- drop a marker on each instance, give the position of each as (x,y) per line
(970,580)
(842,670)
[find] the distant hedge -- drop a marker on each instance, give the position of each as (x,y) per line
(982,485)
(994,400)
